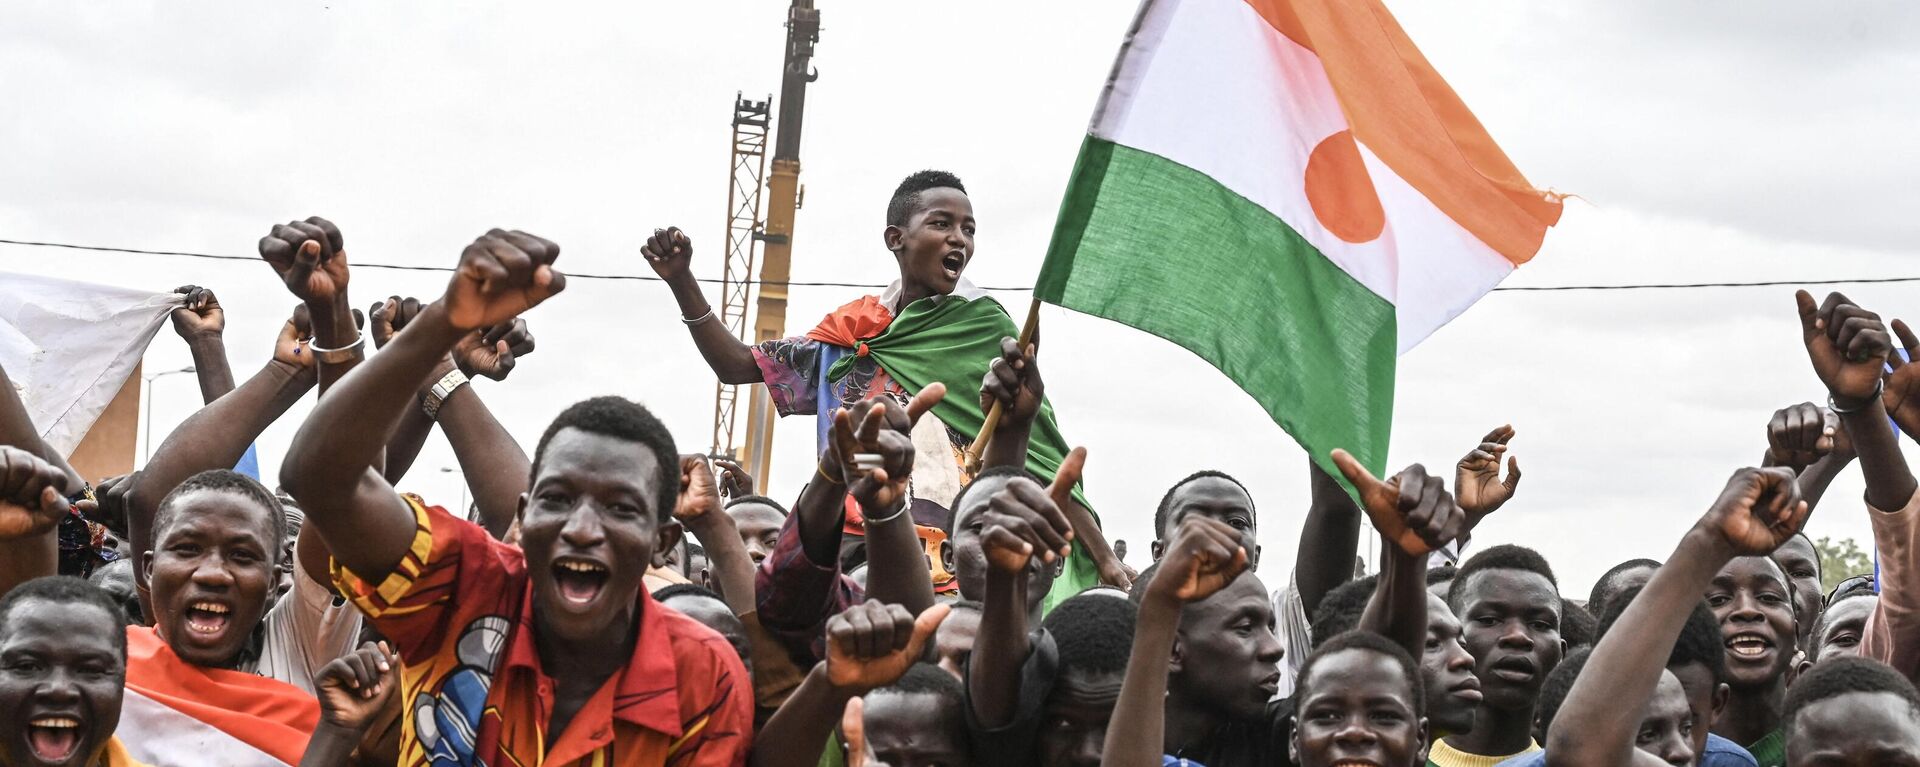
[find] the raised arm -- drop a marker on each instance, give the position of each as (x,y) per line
(1205,556)
(869,646)
(202,324)
(496,468)
(216,436)
(33,552)
(670,252)
(1848,347)
(699,511)
(896,562)
(1415,515)
(384,320)
(1329,540)
(1022,525)
(1759,510)
(330,467)
(1013,379)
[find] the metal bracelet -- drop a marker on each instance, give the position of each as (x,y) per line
(1879,388)
(699,319)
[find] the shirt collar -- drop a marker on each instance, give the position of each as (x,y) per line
(646,693)
(890,298)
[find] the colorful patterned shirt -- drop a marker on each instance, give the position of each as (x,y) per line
(459,608)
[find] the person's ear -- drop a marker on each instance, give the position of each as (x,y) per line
(1426,742)
(146,567)
(1158,549)
(1800,665)
(668,537)
(895,238)
(1253,563)
(1293,745)
(1721,693)
(706,577)
(1176,656)
(946,556)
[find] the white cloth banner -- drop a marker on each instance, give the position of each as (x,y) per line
(69,346)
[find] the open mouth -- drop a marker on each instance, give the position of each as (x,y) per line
(1356,763)
(579,580)
(1514,669)
(208,619)
(1748,646)
(53,738)
(953,263)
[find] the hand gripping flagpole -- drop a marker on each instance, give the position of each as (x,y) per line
(979,447)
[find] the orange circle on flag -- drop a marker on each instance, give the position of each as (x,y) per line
(1341,192)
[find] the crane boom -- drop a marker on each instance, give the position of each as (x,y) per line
(784,197)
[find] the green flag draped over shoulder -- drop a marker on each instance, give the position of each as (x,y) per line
(952,341)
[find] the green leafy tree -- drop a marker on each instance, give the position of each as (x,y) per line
(1840,560)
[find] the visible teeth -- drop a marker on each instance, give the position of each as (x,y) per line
(62,722)
(210,607)
(582,567)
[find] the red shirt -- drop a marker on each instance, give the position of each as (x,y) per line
(459,609)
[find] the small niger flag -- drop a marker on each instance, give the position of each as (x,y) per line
(1287,189)
(177,713)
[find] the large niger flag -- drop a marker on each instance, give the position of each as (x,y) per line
(1290,191)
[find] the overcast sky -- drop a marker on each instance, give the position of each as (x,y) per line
(1706,141)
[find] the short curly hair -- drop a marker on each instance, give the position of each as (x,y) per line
(1093,633)
(1160,512)
(1502,557)
(225,481)
(66,591)
(622,419)
(906,197)
(1369,642)
(1839,676)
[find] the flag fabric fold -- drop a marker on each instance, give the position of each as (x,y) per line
(177,713)
(69,346)
(1287,189)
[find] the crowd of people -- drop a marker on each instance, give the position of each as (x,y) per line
(907,606)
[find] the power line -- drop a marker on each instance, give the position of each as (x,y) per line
(821,284)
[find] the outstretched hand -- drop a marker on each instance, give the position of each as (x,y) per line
(669,251)
(30,499)
(872,644)
(353,688)
(502,275)
(880,426)
(311,258)
(1902,397)
(1013,380)
(1206,555)
(1476,478)
(1847,345)
(200,316)
(1759,510)
(1412,509)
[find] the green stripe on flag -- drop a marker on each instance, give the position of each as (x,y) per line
(1151,243)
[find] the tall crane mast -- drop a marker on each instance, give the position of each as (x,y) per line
(784,196)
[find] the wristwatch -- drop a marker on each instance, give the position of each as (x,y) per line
(442,389)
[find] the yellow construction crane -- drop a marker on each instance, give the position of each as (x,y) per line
(746,230)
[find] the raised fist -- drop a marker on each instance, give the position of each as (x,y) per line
(1412,509)
(391,316)
(735,482)
(1848,346)
(669,252)
(872,644)
(1204,557)
(1902,396)
(1476,479)
(1799,435)
(1759,510)
(699,494)
(311,258)
(492,352)
(200,316)
(31,501)
(501,275)
(353,688)
(1013,380)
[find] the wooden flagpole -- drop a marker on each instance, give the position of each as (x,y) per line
(987,428)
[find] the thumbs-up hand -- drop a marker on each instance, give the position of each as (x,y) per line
(872,644)
(1413,509)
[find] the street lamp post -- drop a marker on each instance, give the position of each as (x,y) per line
(147,449)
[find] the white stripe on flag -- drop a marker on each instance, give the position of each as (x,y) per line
(163,737)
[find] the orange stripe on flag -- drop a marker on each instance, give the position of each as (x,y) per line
(1403,111)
